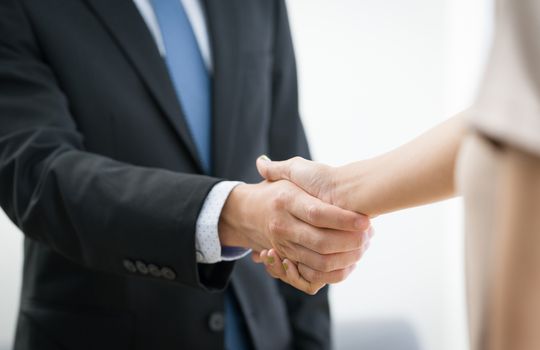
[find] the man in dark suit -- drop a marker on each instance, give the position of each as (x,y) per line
(119,122)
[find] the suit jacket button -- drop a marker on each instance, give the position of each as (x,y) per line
(168,274)
(141,267)
(216,322)
(154,270)
(129,266)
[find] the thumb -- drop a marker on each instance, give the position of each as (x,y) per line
(273,171)
(256,257)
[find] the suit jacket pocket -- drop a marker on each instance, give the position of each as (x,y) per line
(77,328)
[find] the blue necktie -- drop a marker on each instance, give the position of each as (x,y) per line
(192,84)
(188,73)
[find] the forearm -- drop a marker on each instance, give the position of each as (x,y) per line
(417,173)
(515,306)
(99,212)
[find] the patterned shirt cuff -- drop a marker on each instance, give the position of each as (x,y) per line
(234,253)
(207,244)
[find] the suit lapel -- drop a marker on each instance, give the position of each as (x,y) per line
(224,37)
(126,26)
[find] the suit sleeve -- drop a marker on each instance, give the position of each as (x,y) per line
(309,316)
(93,210)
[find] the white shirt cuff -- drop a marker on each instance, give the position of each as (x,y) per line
(207,244)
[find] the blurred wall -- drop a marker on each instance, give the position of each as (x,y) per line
(373,74)
(10,272)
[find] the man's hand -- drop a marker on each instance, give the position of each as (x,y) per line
(299,275)
(326,240)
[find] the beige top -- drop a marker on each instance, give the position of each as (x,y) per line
(508,105)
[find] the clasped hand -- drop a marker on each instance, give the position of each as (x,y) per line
(292,226)
(317,180)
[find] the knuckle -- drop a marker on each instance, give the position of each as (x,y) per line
(280,200)
(342,275)
(275,226)
(349,220)
(313,212)
(296,159)
(323,170)
(307,274)
(322,277)
(344,218)
(282,249)
(315,278)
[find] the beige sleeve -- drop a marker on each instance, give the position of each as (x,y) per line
(508,105)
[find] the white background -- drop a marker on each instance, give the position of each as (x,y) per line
(373,75)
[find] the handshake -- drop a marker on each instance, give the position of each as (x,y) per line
(296,224)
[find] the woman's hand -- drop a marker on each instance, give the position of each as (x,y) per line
(417,173)
(317,179)
(339,186)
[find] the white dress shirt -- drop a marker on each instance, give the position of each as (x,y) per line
(207,244)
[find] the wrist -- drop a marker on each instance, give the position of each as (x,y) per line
(232,221)
(351,191)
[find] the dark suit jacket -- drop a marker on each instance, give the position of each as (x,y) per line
(98,169)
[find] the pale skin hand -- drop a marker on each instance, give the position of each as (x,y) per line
(417,173)
(513,303)
(280,215)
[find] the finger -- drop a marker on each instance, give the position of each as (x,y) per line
(296,280)
(272,252)
(274,266)
(312,177)
(278,269)
(297,169)
(323,262)
(273,171)
(269,263)
(263,256)
(272,270)
(325,241)
(256,257)
(317,213)
(320,277)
